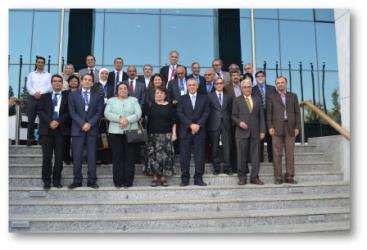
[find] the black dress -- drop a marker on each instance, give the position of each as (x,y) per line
(161,118)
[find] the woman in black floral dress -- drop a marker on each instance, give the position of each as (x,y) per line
(161,134)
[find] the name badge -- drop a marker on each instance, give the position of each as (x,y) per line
(86,108)
(105,100)
(182,92)
(57,108)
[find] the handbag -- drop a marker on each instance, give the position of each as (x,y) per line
(103,137)
(137,135)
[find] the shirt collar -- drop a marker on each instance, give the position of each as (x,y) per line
(85,90)
(54,92)
(192,95)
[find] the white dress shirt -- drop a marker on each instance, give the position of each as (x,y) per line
(193,99)
(38,82)
(59,98)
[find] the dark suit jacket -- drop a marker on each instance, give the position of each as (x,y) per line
(79,116)
(269,89)
(165,70)
(110,89)
(202,89)
(275,113)
(228,89)
(187,115)
(201,78)
(111,79)
(255,119)
(173,91)
(139,91)
(142,79)
(219,114)
(45,111)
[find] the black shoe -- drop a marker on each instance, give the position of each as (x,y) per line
(184,183)
(30,142)
(229,172)
(67,162)
(46,186)
(154,183)
(93,185)
(278,181)
(216,172)
(200,183)
(74,185)
(57,185)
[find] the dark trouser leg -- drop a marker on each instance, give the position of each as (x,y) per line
(185,157)
(254,156)
(92,152)
(242,147)
(47,143)
(117,158)
(268,139)
(58,165)
(32,105)
(261,154)
(78,146)
(66,150)
(199,158)
(226,145)
(129,166)
(234,157)
(214,141)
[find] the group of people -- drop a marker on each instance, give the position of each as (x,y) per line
(220,117)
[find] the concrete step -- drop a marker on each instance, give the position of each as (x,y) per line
(142,180)
(174,222)
(180,204)
(22,149)
(138,193)
(37,158)
(330,227)
(300,167)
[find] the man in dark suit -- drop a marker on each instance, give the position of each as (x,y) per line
(117,75)
(284,122)
(177,87)
(169,71)
(193,112)
(219,126)
(135,86)
(195,68)
(248,115)
(85,109)
(233,89)
(263,91)
(147,74)
(54,125)
(91,69)
(208,85)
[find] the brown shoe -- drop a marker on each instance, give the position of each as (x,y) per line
(257,181)
(278,181)
(242,180)
(290,181)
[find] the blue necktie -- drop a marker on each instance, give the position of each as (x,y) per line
(182,87)
(208,88)
(55,115)
(85,97)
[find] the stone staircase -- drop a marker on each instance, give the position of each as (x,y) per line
(320,202)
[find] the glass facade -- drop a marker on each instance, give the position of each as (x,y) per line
(284,38)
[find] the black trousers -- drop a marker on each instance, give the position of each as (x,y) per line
(269,148)
(78,143)
(123,156)
(225,136)
(52,144)
(67,147)
(32,106)
(185,157)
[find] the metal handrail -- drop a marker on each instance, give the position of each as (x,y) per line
(15,101)
(324,117)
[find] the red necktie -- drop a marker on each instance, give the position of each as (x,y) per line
(131,88)
(173,73)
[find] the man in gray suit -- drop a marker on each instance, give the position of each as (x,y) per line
(219,127)
(91,69)
(219,73)
(135,86)
(248,115)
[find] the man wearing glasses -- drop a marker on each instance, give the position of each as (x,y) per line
(217,65)
(263,91)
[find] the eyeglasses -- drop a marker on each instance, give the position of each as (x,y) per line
(216,65)
(219,83)
(179,73)
(260,76)
(208,74)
